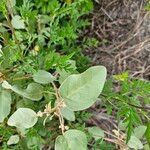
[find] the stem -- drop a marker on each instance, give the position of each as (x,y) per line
(61,120)
(120,144)
(127,103)
(48,92)
(13,32)
(1,75)
(22,78)
(12,29)
(60,103)
(5,41)
(139,107)
(57,92)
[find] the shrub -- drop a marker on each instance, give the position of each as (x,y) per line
(39,86)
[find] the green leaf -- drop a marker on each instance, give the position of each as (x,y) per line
(33,92)
(76,138)
(122,77)
(34,141)
(81,91)
(68,114)
(63,75)
(61,143)
(5,104)
(71,140)
(6,85)
(17,22)
(147,133)
(14,139)
(139,131)
(10,4)
(43,77)
(96,132)
(23,118)
(135,143)
(146,147)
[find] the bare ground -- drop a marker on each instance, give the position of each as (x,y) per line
(123,29)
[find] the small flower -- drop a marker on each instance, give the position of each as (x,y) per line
(39,114)
(36,48)
(66,128)
(34,53)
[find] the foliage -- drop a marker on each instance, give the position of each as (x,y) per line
(72,88)
(24,118)
(34,31)
(147,6)
(129,97)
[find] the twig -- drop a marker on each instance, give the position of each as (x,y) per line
(59,105)
(139,107)
(22,78)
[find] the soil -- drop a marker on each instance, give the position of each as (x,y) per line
(123,29)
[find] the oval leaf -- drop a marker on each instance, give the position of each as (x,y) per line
(14,139)
(135,143)
(76,138)
(5,104)
(23,118)
(61,143)
(6,85)
(140,131)
(71,140)
(67,113)
(17,22)
(81,91)
(10,4)
(43,77)
(33,92)
(63,75)
(96,132)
